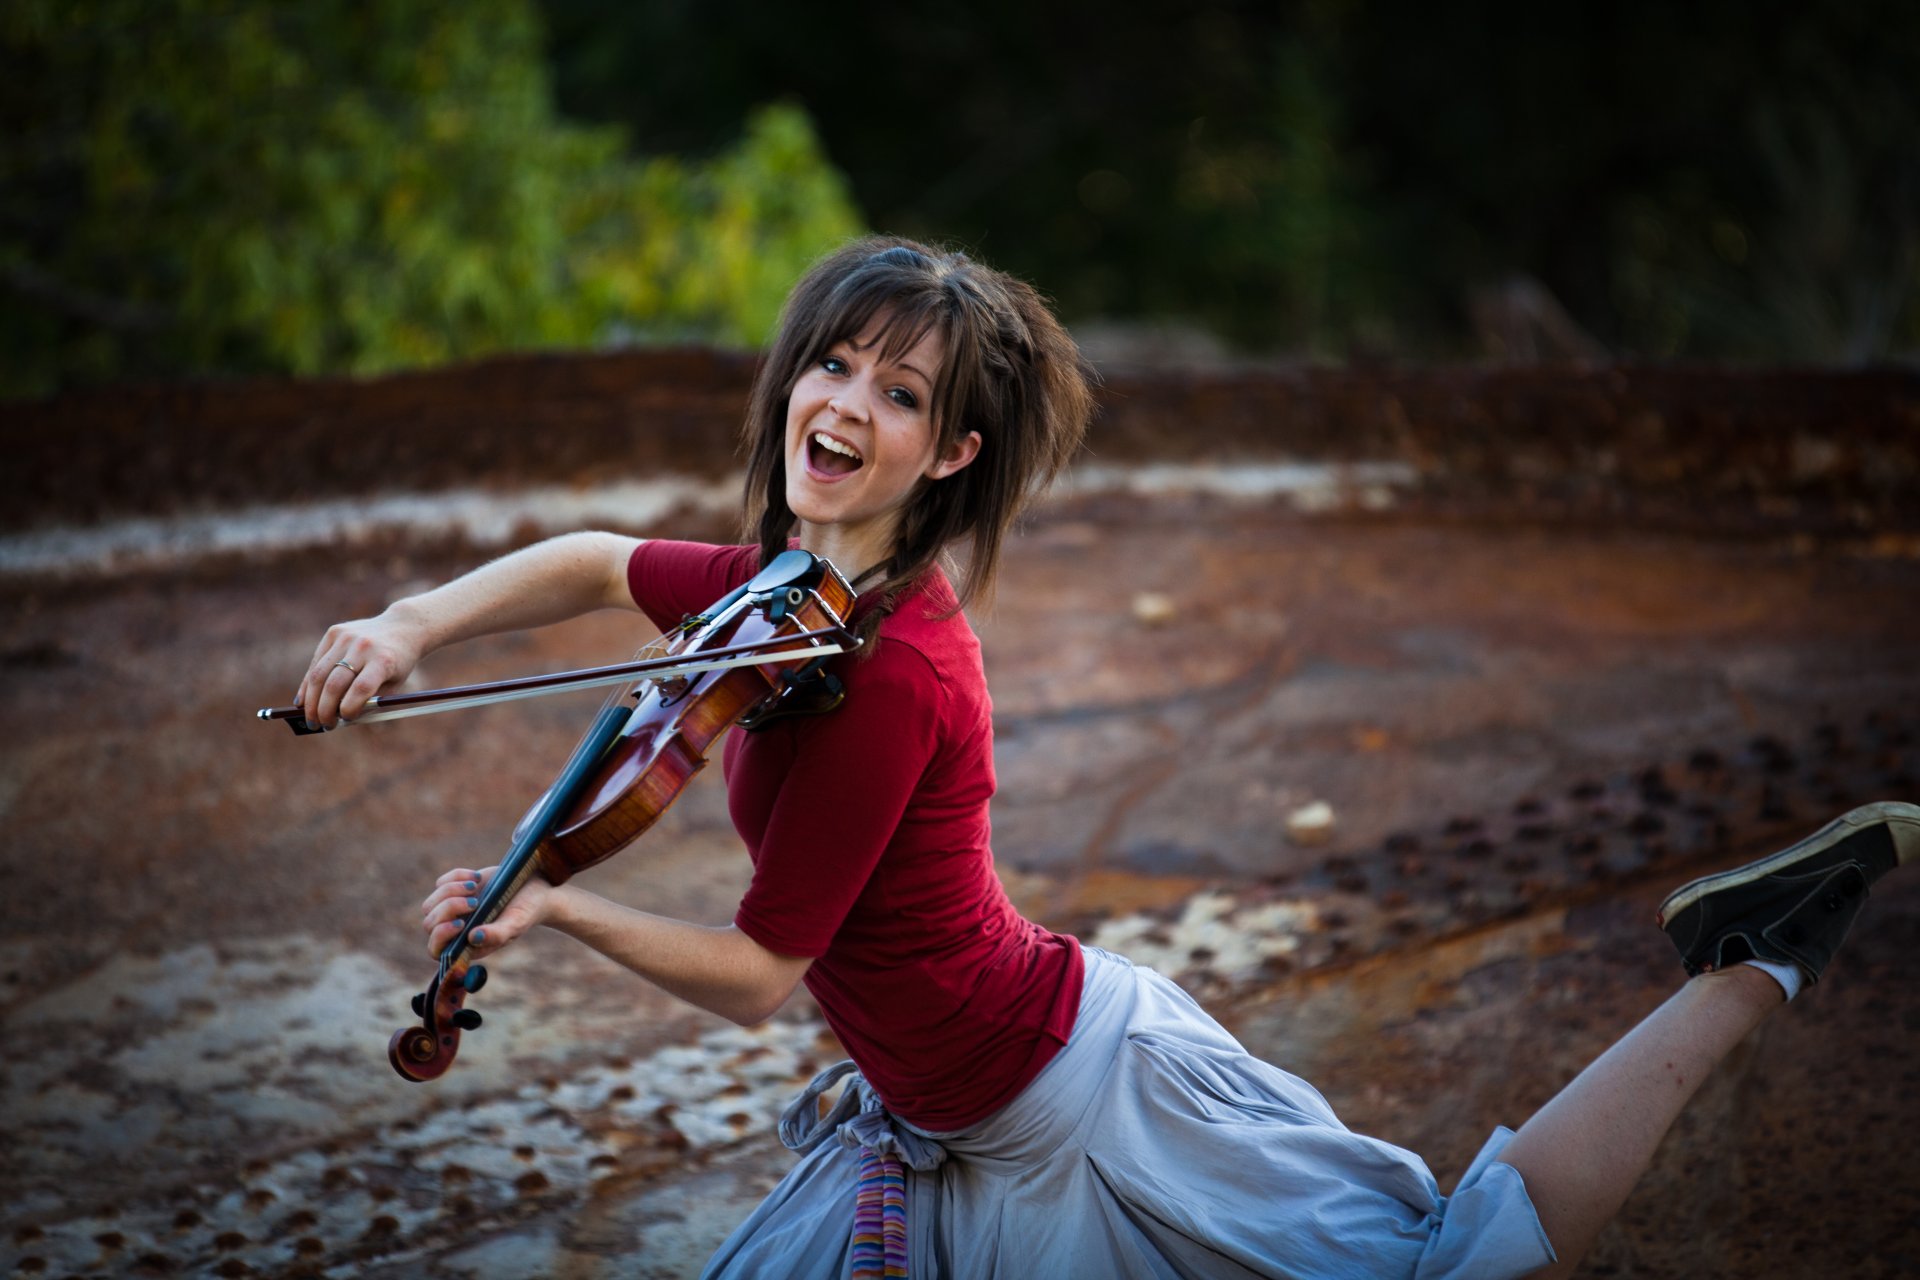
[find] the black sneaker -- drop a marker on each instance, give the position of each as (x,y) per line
(1796,906)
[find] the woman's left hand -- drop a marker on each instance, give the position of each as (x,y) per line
(457,893)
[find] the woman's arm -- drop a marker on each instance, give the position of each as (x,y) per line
(547,582)
(721,970)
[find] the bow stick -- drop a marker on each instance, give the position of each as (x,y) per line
(819,643)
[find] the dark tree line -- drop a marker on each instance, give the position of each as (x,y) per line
(1728,178)
(195,187)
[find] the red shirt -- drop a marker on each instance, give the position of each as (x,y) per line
(868,831)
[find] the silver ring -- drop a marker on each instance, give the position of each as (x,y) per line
(348,665)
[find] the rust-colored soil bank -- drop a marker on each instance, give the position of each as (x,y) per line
(1686,442)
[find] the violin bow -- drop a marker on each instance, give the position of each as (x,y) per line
(398,706)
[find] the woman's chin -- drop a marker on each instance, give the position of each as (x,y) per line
(810,509)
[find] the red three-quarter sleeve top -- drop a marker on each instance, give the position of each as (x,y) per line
(868,831)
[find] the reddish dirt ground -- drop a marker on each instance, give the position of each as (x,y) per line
(1527,731)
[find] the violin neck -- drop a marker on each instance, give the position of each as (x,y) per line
(560,797)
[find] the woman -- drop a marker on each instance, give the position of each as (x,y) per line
(1027,1107)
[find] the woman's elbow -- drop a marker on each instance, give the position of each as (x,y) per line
(755,1007)
(770,989)
(752,1015)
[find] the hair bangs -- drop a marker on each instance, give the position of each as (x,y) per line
(905,309)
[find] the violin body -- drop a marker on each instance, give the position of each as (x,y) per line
(648,742)
(676,724)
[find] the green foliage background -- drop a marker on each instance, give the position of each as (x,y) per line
(224,186)
(212,187)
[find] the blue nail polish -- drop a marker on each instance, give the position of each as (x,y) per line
(479,935)
(473,884)
(473,902)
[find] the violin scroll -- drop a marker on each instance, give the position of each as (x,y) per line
(424,1052)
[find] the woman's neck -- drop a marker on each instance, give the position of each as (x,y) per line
(854,551)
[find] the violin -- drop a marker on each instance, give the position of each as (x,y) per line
(755,656)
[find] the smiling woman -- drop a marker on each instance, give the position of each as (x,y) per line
(921,363)
(860,441)
(1025,1105)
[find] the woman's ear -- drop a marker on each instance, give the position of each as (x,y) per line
(956,456)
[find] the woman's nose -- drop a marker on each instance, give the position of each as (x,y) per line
(851,404)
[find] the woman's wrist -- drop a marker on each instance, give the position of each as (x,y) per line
(412,622)
(560,910)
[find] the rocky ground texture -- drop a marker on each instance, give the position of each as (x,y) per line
(1389,767)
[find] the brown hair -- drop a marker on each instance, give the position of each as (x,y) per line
(1008,370)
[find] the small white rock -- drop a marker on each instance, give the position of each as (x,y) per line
(1154,609)
(1310,824)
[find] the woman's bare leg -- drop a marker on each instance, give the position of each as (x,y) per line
(1582,1153)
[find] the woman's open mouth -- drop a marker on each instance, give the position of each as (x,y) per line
(832,457)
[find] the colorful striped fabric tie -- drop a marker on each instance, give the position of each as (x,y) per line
(880,1218)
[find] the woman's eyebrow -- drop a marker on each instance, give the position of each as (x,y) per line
(854,344)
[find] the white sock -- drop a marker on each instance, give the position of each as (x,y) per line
(1789,976)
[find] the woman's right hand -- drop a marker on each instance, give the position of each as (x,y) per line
(547,582)
(354,661)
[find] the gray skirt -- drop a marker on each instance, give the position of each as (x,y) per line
(1153,1145)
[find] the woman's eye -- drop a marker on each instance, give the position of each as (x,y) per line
(833,364)
(904,398)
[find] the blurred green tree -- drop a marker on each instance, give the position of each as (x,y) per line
(1186,158)
(234,186)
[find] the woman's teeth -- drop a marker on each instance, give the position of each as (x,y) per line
(828,442)
(831,457)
